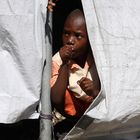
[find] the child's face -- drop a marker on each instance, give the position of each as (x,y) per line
(75,35)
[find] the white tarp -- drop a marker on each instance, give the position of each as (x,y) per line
(114,33)
(22,41)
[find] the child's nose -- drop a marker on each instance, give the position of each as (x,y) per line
(70,41)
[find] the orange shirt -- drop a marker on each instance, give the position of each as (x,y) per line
(76,101)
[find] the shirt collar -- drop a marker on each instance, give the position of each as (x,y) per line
(88,63)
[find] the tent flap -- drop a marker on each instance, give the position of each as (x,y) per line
(114,34)
(22,38)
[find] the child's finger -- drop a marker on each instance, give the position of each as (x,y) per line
(50,6)
(51,3)
(81,80)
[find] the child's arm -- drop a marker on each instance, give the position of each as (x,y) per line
(59,88)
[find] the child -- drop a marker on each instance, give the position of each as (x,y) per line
(74,82)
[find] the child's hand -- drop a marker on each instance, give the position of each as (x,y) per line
(88,87)
(66,53)
(51,5)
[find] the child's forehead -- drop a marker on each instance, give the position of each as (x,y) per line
(75,22)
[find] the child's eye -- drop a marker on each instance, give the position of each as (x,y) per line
(66,33)
(78,35)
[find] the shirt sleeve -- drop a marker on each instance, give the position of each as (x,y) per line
(56,63)
(54,75)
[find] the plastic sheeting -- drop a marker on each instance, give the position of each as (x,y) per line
(114,33)
(22,42)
